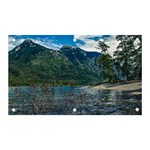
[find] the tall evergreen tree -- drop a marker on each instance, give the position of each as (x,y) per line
(128,55)
(105,63)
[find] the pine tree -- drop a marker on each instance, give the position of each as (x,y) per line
(105,63)
(128,56)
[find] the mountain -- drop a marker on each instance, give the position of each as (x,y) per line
(31,63)
(81,58)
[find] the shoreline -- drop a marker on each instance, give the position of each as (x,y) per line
(134,86)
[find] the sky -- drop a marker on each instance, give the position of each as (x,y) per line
(85,42)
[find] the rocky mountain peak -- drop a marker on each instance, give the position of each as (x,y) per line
(28,41)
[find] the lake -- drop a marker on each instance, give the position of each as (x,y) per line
(72,100)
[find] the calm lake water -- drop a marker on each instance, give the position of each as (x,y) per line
(61,100)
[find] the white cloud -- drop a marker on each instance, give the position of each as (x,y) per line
(101,40)
(89,44)
(85,37)
(44,42)
(113,43)
(48,43)
(12,42)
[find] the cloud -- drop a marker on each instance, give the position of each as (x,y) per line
(89,45)
(49,43)
(113,43)
(87,42)
(13,42)
(85,37)
(90,42)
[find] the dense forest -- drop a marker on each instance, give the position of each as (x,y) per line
(30,63)
(126,62)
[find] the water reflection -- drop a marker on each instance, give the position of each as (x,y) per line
(62,100)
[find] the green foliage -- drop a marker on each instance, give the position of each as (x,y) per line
(128,56)
(105,64)
(104,48)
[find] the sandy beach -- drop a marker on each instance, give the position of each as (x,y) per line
(134,86)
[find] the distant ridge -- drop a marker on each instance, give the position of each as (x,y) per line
(31,63)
